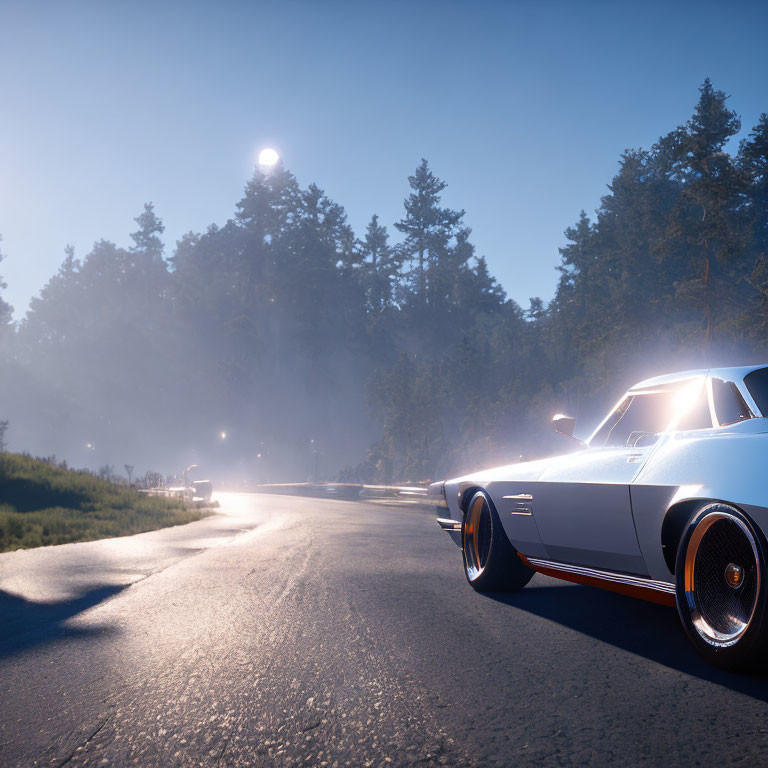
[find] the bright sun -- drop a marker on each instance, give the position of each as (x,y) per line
(268,156)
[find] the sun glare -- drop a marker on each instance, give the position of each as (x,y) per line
(685,400)
(268,157)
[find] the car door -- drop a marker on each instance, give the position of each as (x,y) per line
(582,503)
(583,511)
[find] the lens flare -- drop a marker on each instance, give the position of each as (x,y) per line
(685,400)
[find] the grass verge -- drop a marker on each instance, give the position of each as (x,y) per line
(42,504)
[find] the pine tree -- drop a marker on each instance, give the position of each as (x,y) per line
(379,266)
(318,284)
(480,291)
(270,202)
(753,160)
(704,228)
(630,222)
(146,239)
(428,230)
(51,315)
(146,276)
(579,273)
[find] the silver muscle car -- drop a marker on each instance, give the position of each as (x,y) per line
(667,500)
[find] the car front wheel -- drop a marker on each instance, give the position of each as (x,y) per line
(721,587)
(491,563)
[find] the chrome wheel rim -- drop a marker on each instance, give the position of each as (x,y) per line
(478,529)
(721,578)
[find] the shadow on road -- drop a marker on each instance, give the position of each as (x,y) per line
(648,630)
(25,623)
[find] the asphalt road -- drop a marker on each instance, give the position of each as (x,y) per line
(290,631)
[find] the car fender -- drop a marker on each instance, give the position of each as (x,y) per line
(507,488)
(690,468)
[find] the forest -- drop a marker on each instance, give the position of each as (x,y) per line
(282,345)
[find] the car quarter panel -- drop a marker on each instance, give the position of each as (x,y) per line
(649,507)
(730,467)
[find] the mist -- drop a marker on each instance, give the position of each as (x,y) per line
(282,346)
(225,355)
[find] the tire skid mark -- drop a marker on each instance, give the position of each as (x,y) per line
(87,741)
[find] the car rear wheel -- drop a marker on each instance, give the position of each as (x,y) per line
(491,563)
(721,587)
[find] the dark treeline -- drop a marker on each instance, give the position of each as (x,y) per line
(281,342)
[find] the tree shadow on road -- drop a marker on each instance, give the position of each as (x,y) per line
(646,629)
(26,623)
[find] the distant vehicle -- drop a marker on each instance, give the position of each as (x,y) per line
(668,501)
(202,489)
(197,490)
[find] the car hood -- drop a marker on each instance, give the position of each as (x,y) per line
(524,470)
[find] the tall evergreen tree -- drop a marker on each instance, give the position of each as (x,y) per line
(753,160)
(147,270)
(146,239)
(428,230)
(379,266)
(479,291)
(50,317)
(704,227)
(270,201)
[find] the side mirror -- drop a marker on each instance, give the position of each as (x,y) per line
(563,424)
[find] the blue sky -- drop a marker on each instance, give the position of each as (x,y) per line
(522,107)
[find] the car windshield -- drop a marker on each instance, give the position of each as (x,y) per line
(641,416)
(757,384)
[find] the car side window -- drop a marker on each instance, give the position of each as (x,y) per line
(757,384)
(635,420)
(645,416)
(729,404)
(601,437)
(641,417)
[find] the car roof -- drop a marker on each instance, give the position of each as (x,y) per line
(736,374)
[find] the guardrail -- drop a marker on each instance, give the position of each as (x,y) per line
(415,495)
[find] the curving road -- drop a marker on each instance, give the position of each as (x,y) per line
(288,631)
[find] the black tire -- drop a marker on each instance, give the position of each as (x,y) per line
(491,563)
(721,587)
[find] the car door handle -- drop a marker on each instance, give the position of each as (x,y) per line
(635,458)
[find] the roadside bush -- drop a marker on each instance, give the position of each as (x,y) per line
(43,504)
